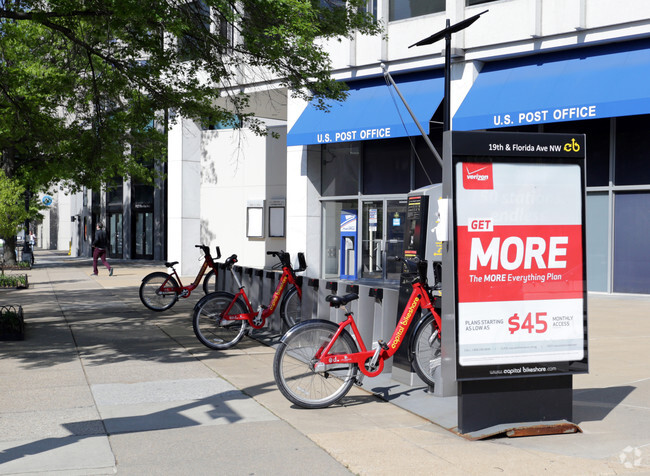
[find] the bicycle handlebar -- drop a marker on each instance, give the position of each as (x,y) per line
(283,256)
(415,265)
(206,250)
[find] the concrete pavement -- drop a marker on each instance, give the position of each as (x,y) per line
(101,385)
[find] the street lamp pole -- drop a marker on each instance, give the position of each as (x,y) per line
(446,34)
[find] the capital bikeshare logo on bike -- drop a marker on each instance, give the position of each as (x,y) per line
(403,324)
(477,176)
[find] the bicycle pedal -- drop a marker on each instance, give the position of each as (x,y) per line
(382,344)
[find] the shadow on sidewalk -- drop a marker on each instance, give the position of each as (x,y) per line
(594,404)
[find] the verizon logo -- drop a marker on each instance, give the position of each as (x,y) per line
(477,176)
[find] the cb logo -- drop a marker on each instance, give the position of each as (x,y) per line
(572,146)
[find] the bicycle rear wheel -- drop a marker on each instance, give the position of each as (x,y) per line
(294,365)
(211,324)
(210,282)
(152,295)
(425,346)
(291,308)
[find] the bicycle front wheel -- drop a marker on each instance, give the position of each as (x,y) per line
(211,324)
(158,291)
(291,308)
(425,345)
(295,370)
(210,282)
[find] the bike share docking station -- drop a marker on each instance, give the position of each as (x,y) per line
(419,241)
(514,307)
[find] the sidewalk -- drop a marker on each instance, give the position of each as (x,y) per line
(101,385)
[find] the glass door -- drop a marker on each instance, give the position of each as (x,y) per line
(115,235)
(372,260)
(395,225)
(143,235)
(383,224)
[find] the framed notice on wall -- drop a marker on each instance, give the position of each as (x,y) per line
(276,217)
(520,254)
(255,219)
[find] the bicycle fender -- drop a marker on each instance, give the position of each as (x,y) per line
(307,323)
(207,297)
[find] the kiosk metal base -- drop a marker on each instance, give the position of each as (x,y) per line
(537,401)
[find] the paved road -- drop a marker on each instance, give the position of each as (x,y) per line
(103,386)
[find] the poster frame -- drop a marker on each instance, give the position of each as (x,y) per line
(536,149)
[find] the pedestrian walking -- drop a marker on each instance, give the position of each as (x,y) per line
(32,242)
(100,243)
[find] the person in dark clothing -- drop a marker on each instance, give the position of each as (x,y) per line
(100,243)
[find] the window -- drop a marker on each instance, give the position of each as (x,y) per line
(212,124)
(597,209)
(401,9)
(478,2)
(332,237)
(386,166)
(631,251)
(340,169)
(196,14)
(632,146)
(427,169)
(597,139)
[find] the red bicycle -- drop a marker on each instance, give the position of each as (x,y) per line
(159,291)
(220,319)
(318,361)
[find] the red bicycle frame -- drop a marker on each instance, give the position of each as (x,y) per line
(185,291)
(419,299)
(256,319)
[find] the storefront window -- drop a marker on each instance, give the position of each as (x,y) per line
(631,251)
(427,169)
(401,9)
(597,140)
(597,233)
(332,236)
(340,169)
(114,195)
(632,146)
(386,166)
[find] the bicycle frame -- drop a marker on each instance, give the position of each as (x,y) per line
(185,291)
(257,319)
(419,299)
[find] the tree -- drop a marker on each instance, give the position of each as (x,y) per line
(83,82)
(13,213)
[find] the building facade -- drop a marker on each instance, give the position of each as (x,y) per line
(524,65)
(577,66)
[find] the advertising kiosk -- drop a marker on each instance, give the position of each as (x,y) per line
(517,280)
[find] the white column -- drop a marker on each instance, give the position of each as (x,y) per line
(183,204)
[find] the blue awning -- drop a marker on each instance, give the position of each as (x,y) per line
(587,83)
(372,110)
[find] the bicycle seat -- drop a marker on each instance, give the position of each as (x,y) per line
(338,301)
(171,265)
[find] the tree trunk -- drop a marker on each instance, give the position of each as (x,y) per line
(9,257)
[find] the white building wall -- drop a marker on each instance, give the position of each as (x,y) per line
(239,168)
